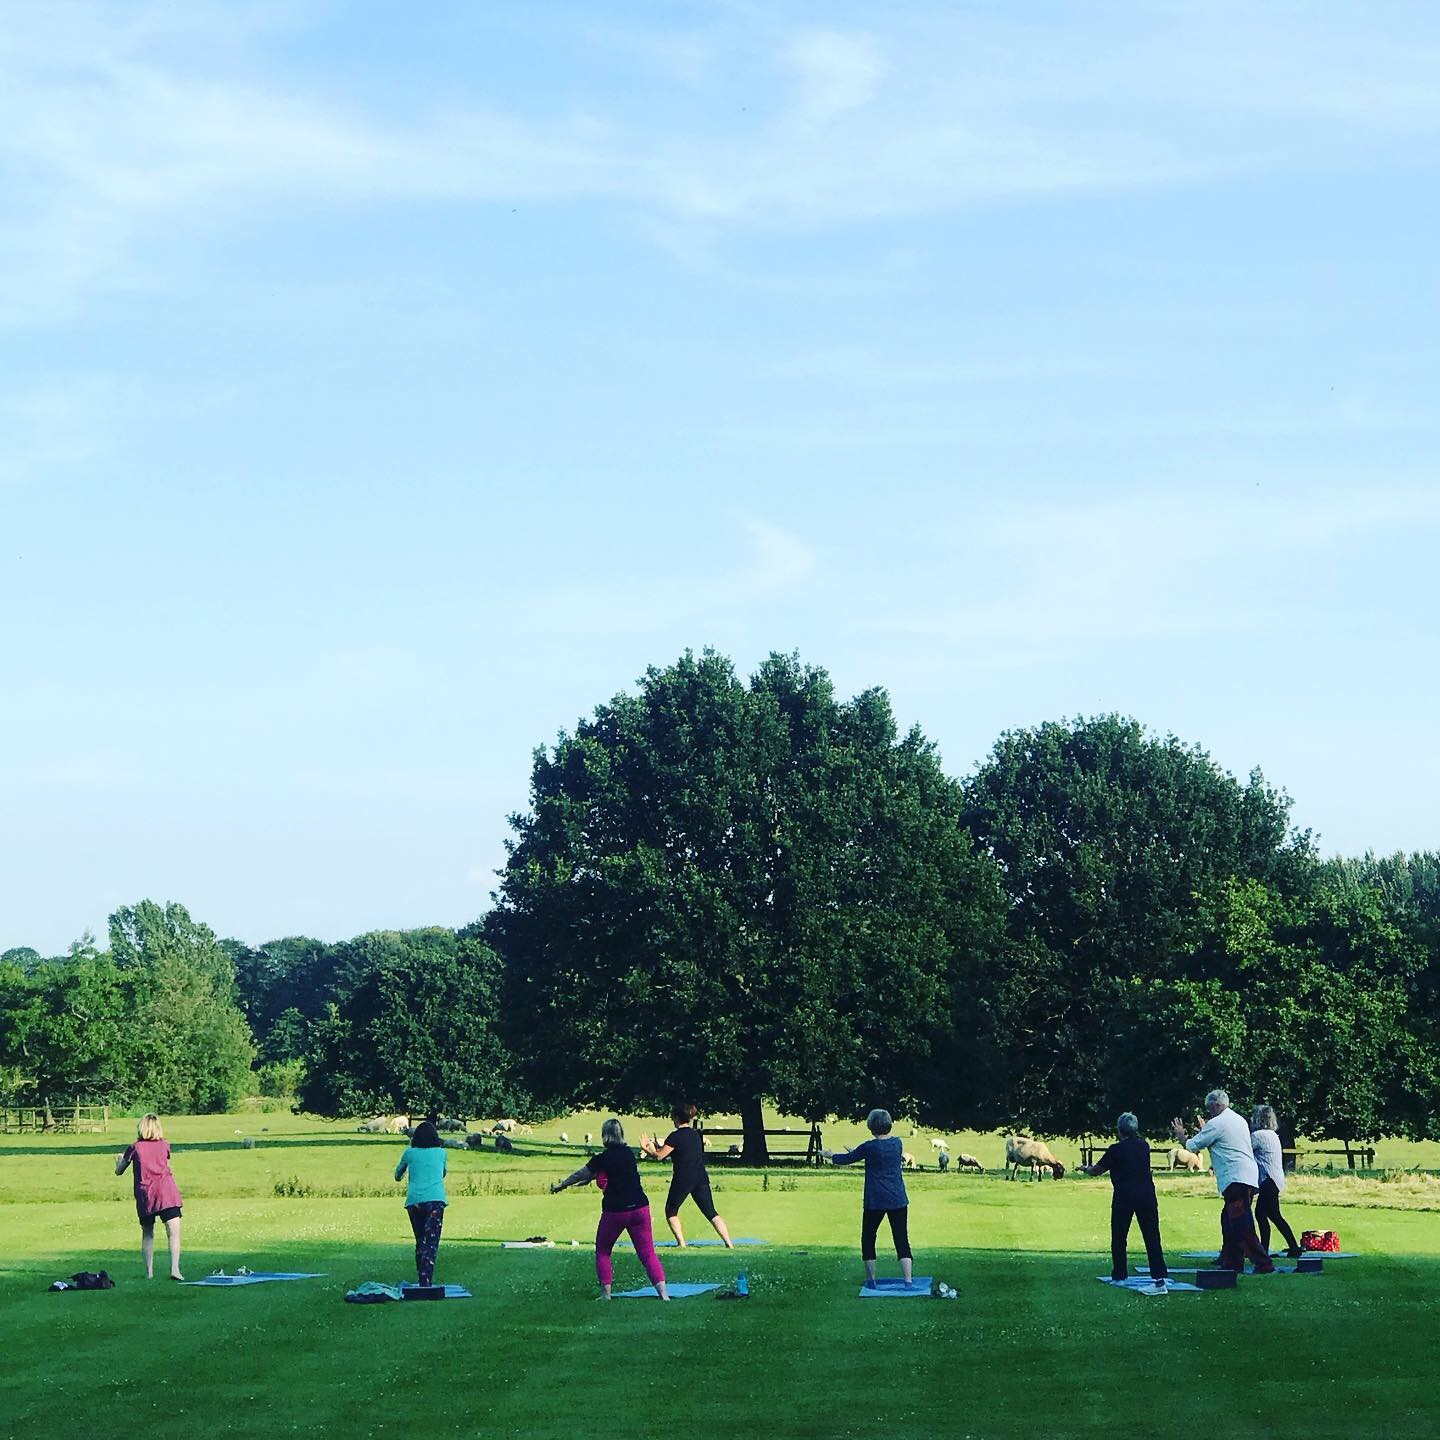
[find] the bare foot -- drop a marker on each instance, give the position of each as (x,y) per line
(173,1276)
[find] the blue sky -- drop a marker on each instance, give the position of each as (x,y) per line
(383,387)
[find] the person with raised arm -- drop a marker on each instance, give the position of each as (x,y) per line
(624,1208)
(885,1197)
(689,1179)
(1237,1177)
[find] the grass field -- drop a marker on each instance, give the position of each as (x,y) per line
(1032,1344)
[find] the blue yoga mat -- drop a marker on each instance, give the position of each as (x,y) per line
(1143,1285)
(678,1291)
(1280,1255)
(257,1277)
(672,1244)
(894,1289)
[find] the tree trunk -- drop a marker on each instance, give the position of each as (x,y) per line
(753,1149)
(1287,1142)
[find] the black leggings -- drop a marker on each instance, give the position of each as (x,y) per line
(899,1231)
(1267,1213)
(1148,1214)
(682,1189)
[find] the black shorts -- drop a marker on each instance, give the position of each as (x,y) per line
(683,1188)
(170,1212)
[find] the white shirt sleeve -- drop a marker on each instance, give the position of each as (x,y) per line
(1203,1138)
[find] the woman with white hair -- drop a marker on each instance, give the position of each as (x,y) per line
(885,1197)
(1270,1158)
(624,1207)
(1132,1197)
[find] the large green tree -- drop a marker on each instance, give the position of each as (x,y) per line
(1408,885)
(411,1028)
(65,1032)
(283,986)
(1110,842)
(1296,1001)
(191,1047)
(738,893)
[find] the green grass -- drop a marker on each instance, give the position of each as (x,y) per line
(1033,1343)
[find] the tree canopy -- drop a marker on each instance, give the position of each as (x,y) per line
(411,1028)
(1109,844)
(736,893)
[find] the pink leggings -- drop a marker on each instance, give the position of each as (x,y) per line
(613,1224)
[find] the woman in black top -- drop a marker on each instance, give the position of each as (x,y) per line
(624,1207)
(1128,1162)
(688,1177)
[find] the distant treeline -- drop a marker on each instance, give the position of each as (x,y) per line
(749,892)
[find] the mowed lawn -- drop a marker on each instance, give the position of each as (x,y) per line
(1033,1344)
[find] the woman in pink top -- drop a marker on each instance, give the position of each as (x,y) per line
(157,1196)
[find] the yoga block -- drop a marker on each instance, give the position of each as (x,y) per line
(1215,1279)
(423,1292)
(1307,1266)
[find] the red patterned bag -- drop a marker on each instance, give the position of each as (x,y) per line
(1324,1240)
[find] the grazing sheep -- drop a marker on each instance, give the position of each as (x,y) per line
(733,1150)
(385,1125)
(1183,1159)
(589,1138)
(1022,1150)
(944,1161)
(907,1161)
(938,1144)
(503,1127)
(565,1139)
(969,1162)
(476,1140)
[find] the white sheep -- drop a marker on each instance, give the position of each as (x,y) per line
(968,1162)
(907,1161)
(1022,1150)
(565,1139)
(589,1138)
(1183,1159)
(936,1143)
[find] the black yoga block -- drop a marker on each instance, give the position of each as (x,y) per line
(1308,1266)
(1215,1279)
(424,1292)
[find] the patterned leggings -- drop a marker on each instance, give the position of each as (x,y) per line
(425,1221)
(1237,1231)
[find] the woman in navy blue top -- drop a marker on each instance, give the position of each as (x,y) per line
(885,1197)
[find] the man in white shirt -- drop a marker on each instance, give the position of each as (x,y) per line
(1237,1177)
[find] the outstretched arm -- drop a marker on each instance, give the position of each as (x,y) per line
(123,1159)
(581,1176)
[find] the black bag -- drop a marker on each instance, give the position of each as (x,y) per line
(86,1280)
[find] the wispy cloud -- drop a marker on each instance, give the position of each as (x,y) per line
(121,123)
(1203,562)
(776,563)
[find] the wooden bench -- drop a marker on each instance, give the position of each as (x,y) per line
(1364,1153)
(812,1154)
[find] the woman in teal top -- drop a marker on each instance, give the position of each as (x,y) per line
(424,1163)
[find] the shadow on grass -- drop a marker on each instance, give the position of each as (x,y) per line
(192,1147)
